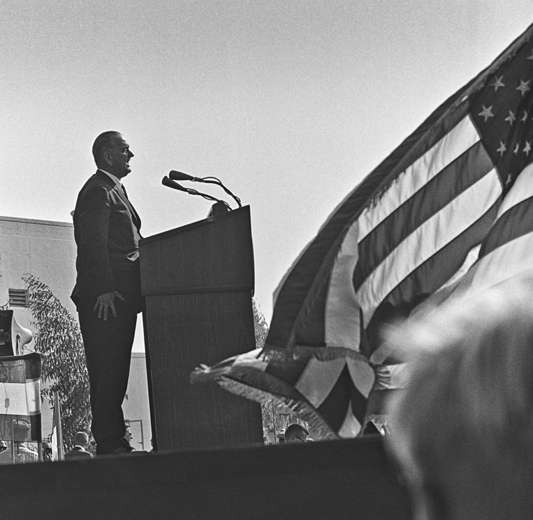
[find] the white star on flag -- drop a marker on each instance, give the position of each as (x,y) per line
(486,113)
(511,117)
(523,119)
(498,83)
(527,148)
(523,87)
(501,149)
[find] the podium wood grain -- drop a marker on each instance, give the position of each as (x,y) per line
(198,281)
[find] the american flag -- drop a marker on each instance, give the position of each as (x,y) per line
(451,206)
(20,398)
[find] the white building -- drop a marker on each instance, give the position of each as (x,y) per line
(47,250)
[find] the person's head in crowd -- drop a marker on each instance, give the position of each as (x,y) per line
(462,431)
(81,439)
(296,433)
(47,451)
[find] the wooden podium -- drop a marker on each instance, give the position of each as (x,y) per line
(198,281)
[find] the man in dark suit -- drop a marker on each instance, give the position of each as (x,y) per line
(107,292)
(79,451)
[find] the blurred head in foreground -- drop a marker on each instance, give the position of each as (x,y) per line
(462,431)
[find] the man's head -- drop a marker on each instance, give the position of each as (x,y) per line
(462,430)
(81,439)
(296,433)
(112,153)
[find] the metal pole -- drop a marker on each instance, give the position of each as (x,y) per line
(57,416)
(13,440)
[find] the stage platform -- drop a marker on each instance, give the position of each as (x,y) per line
(318,480)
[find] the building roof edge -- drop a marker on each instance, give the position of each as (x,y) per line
(36,221)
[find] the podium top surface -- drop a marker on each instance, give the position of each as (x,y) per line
(211,255)
(236,213)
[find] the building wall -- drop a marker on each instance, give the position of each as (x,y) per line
(47,250)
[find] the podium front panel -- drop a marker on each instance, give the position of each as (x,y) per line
(203,317)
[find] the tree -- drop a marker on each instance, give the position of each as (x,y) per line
(260,326)
(275,416)
(269,411)
(58,340)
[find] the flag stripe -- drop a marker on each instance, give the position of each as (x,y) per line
(442,266)
(20,398)
(515,255)
(515,217)
(516,222)
(341,314)
(457,177)
(522,189)
(427,239)
(451,146)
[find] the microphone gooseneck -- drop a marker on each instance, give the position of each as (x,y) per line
(182,176)
(166,181)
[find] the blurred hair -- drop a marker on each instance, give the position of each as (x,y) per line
(462,430)
(295,429)
(81,439)
(102,142)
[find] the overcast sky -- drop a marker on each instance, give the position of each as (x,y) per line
(290,102)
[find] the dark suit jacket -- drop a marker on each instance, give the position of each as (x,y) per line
(77,453)
(106,229)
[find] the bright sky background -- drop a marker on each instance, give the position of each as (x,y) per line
(290,102)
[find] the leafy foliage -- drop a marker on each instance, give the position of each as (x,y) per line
(276,417)
(58,340)
(260,325)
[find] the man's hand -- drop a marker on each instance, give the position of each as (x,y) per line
(105,303)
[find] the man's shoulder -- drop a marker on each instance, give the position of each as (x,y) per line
(98,180)
(78,453)
(97,188)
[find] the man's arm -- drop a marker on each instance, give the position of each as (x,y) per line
(93,229)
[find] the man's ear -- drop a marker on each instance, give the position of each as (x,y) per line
(106,156)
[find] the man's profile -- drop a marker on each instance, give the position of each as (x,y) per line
(107,291)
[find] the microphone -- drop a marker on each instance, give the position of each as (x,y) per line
(172,184)
(177,186)
(182,176)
